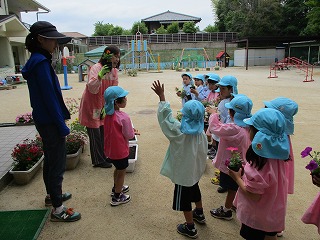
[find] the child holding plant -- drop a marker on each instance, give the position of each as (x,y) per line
(234,142)
(312,215)
(187,84)
(261,199)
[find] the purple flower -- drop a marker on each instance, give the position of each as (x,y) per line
(227,162)
(312,165)
(306,152)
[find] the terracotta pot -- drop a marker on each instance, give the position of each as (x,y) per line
(24,177)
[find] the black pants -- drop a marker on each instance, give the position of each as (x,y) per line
(54,148)
(96,138)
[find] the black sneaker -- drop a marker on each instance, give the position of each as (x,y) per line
(184,230)
(222,190)
(212,151)
(67,215)
(121,200)
(221,214)
(65,196)
(200,218)
(125,189)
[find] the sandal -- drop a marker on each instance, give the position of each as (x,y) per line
(215,181)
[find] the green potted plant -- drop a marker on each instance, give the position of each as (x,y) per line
(234,162)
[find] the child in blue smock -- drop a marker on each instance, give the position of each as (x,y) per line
(185,160)
(187,85)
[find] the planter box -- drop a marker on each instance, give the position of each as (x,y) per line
(24,177)
(133,157)
(73,159)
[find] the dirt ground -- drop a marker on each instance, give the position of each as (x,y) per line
(149,214)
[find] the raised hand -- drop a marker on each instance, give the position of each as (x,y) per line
(158,88)
(104,70)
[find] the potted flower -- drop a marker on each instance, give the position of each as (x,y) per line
(27,157)
(180,92)
(314,164)
(234,162)
(74,145)
(24,119)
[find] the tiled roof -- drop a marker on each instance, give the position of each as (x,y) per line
(74,35)
(170,16)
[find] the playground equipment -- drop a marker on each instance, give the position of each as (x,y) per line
(292,62)
(194,59)
(140,55)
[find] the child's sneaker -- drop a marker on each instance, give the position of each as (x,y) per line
(221,214)
(280,234)
(200,218)
(67,215)
(184,230)
(65,196)
(125,188)
(121,200)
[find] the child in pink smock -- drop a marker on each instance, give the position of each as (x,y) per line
(312,215)
(117,132)
(261,199)
(236,135)
(288,108)
(101,76)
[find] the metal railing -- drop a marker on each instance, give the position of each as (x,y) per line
(164,38)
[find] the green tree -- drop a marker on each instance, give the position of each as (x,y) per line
(189,27)
(139,27)
(115,31)
(126,32)
(293,20)
(211,28)
(161,30)
(100,29)
(248,17)
(173,27)
(313,16)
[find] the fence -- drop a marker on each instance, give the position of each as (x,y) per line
(164,38)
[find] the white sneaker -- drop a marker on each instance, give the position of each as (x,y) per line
(280,234)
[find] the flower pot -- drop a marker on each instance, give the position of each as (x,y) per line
(133,157)
(73,159)
(24,177)
(234,168)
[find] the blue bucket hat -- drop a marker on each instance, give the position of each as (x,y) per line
(242,105)
(200,76)
(110,95)
(213,77)
(287,107)
(192,121)
(187,74)
(229,81)
(270,141)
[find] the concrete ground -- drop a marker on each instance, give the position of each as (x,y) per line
(149,214)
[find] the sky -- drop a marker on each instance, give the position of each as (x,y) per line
(81,15)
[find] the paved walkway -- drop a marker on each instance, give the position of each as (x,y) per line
(9,137)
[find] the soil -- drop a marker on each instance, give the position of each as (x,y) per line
(149,214)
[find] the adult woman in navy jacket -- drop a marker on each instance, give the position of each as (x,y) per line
(49,113)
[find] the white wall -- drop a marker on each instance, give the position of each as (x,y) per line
(258,57)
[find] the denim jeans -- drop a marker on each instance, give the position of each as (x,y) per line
(54,147)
